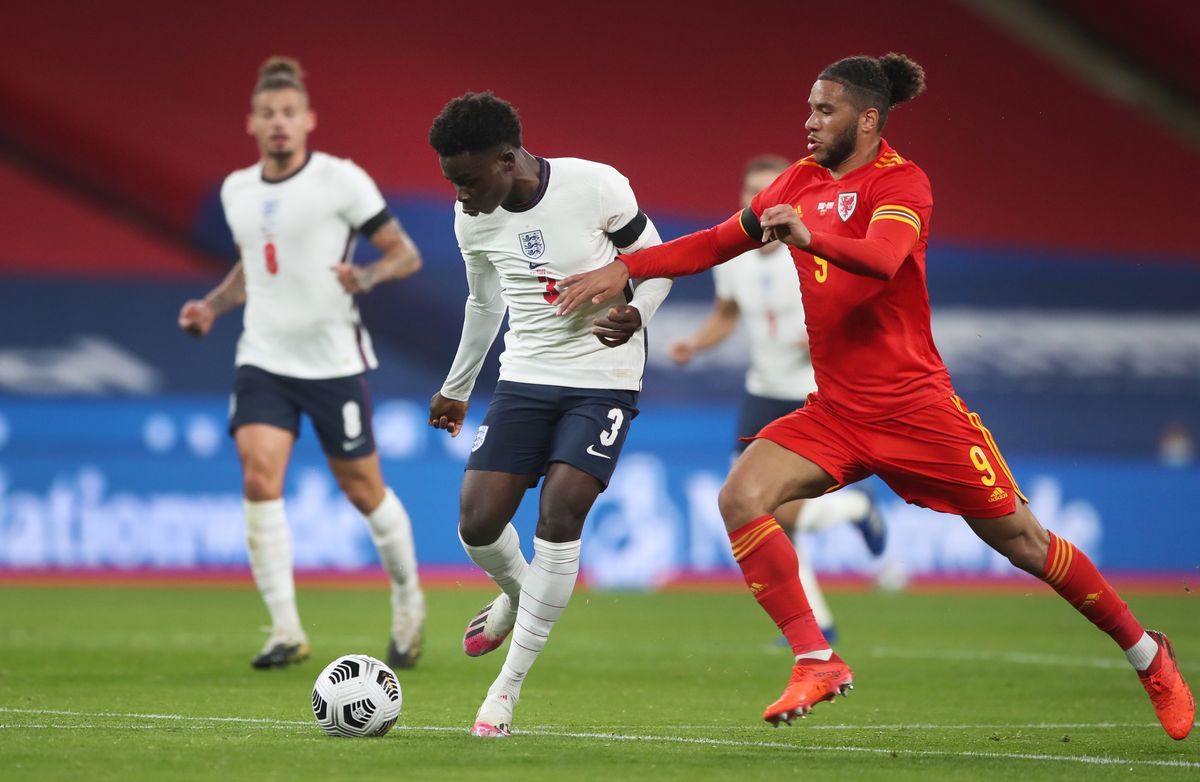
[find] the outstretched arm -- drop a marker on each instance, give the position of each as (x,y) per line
(197,315)
(686,255)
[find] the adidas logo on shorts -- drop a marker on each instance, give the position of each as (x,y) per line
(998,494)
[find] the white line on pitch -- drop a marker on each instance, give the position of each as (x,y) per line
(1083,759)
(179,717)
(110,726)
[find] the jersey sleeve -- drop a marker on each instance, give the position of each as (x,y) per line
(901,203)
(226,187)
(360,197)
(618,205)
(620,217)
(903,196)
(482,317)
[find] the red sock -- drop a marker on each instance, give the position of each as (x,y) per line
(1073,576)
(769,565)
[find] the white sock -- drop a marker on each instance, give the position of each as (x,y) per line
(502,560)
(1141,654)
(544,595)
(391,531)
(833,509)
(812,590)
(270,548)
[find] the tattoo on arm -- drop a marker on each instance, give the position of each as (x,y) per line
(230,293)
(400,255)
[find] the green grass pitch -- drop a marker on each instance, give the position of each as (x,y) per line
(105,682)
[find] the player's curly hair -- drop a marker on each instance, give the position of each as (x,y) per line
(880,83)
(280,73)
(475,122)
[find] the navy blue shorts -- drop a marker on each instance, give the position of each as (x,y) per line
(339,408)
(528,426)
(758,411)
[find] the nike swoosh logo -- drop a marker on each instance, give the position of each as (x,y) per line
(350,445)
(592,450)
(538,265)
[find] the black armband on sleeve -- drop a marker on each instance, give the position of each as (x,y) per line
(624,237)
(750,224)
(375,223)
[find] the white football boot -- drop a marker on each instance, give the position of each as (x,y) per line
(408,624)
(494,719)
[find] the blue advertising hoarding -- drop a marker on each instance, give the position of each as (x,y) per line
(154,483)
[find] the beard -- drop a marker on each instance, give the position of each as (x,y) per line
(837,151)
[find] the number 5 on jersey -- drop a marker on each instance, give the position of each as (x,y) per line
(821,273)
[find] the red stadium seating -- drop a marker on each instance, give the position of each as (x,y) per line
(47,233)
(147,102)
(1160,34)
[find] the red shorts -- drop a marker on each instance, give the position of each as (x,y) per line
(940,456)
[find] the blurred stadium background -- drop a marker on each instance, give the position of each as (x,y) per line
(1061,137)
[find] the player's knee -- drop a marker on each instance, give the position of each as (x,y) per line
(260,486)
(364,491)
(562,528)
(472,532)
(364,497)
(741,502)
(475,526)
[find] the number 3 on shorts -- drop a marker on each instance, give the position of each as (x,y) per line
(617,416)
(980,460)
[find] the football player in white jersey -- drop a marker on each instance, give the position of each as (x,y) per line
(760,287)
(568,387)
(295,216)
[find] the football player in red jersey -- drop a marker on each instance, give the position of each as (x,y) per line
(856,215)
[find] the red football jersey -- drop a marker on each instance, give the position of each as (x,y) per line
(870,339)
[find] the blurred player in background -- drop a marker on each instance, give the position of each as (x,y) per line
(856,215)
(760,286)
(568,387)
(295,216)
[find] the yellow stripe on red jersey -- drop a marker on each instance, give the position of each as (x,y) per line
(900,214)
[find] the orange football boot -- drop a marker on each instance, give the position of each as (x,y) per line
(812,681)
(1173,701)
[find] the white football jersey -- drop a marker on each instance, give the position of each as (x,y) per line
(563,230)
(767,292)
(299,321)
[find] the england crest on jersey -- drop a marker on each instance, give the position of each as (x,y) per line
(846,203)
(532,244)
(270,210)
